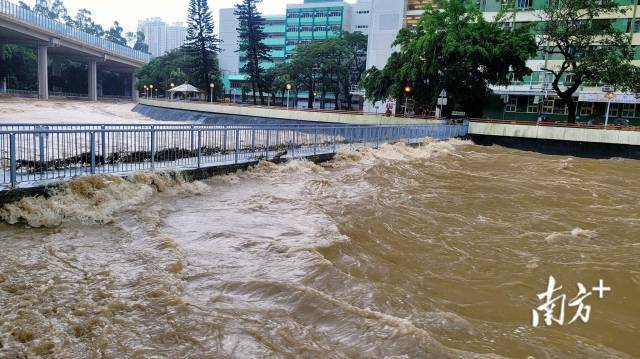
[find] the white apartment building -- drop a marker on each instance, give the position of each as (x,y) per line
(162,37)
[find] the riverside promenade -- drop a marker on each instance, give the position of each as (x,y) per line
(282,113)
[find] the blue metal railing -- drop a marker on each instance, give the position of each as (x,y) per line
(65,31)
(31,154)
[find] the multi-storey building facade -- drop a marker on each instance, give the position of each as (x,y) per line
(524,100)
(162,37)
(304,23)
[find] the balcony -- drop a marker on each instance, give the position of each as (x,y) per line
(320,35)
(275,41)
(275,29)
(276,53)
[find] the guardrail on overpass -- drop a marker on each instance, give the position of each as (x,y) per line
(48,25)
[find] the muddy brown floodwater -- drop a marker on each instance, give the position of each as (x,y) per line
(437,251)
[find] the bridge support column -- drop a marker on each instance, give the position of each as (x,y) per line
(134,87)
(93,81)
(43,73)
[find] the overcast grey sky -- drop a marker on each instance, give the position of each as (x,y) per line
(128,12)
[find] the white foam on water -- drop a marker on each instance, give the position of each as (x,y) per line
(577,232)
(95,199)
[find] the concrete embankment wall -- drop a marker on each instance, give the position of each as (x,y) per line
(283,114)
(211,118)
(570,141)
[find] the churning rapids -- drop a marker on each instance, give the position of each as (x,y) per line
(436,251)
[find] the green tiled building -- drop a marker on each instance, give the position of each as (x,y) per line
(310,21)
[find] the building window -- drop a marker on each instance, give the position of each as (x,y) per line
(629,110)
(568,80)
(547,106)
(320,28)
(335,13)
(524,4)
(321,14)
(306,14)
(362,27)
(532,106)
(334,27)
(586,109)
(292,29)
(306,28)
(614,110)
(511,105)
(292,15)
(362,12)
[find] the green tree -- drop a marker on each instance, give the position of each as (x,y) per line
(356,44)
(453,48)
(136,40)
(84,22)
(161,71)
(251,44)
(278,78)
(18,66)
(591,49)
(201,43)
(114,34)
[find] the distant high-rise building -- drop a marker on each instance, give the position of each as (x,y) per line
(176,34)
(160,36)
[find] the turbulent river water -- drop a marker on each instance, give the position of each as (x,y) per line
(429,252)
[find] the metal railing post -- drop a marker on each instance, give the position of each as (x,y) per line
(335,140)
(237,154)
(315,142)
(153,147)
(192,139)
(93,152)
(103,145)
(268,131)
(12,159)
(199,148)
(293,145)
(253,140)
(41,138)
(224,139)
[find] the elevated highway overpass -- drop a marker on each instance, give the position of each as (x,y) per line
(22,26)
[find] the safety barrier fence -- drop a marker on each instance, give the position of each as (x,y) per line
(31,156)
(42,22)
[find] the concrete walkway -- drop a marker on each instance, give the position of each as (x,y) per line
(280,113)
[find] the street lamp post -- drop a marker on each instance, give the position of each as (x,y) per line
(212,85)
(610,96)
(151,86)
(146,93)
(171,93)
(288,94)
(407,90)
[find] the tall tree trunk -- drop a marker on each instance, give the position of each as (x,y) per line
(253,87)
(571,108)
(310,99)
